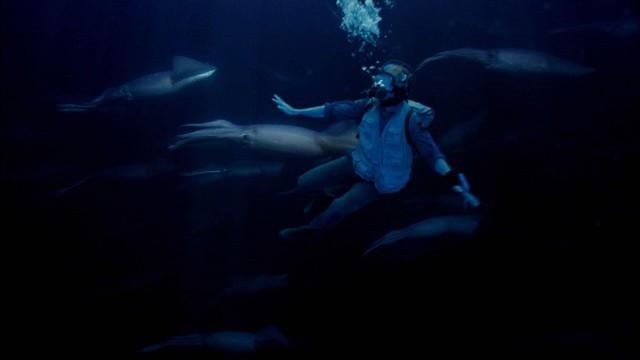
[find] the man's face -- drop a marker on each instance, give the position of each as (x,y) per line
(383,84)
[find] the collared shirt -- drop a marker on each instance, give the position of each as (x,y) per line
(354,110)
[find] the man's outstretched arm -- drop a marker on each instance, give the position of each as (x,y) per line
(345,110)
(429,150)
(312,112)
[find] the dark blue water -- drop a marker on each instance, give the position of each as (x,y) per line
(121,263)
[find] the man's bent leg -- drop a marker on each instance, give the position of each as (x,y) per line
(360,195)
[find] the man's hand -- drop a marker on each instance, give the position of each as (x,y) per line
(463,189)
(283,106)
(470,200)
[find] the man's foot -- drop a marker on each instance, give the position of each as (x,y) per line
(298,233)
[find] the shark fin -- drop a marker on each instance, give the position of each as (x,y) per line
(185,68)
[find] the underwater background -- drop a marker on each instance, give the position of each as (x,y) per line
(139,253)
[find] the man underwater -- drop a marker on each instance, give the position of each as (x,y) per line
(392,128)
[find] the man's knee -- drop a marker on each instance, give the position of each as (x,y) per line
(355,199)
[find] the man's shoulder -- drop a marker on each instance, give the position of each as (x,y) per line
(341,109)
(419,108)
(352,101)
(422,114)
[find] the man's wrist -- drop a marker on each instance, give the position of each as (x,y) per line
(453,178)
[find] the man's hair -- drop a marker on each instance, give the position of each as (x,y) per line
(401,72)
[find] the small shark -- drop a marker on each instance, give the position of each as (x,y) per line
(135,171)
(519,61)
(230,342)
(185,72)
(428,228)
(274,138)
(239,169)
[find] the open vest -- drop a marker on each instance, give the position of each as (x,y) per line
(384,158)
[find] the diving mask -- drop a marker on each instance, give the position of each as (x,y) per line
(382,85)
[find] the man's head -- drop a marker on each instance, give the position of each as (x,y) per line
(391,82)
